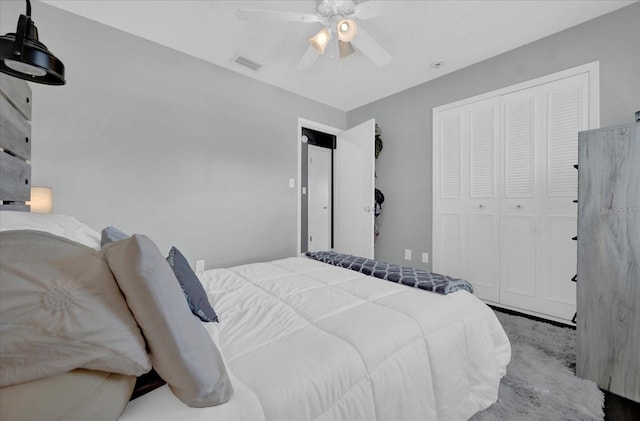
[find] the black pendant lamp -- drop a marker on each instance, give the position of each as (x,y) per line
(24,57)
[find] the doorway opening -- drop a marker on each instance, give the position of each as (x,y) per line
(317,187)
(346,160)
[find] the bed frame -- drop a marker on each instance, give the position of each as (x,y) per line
(15,143)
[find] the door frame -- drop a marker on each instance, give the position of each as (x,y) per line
(593,121)
(302,122)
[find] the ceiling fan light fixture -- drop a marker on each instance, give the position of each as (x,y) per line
(320,40)
(346,49)
(23,56)
(347,30)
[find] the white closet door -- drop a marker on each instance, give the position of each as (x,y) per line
(566,112)
(520,220)
(466,220)
(482,206)
(504,186)
(539,219)
(448,225)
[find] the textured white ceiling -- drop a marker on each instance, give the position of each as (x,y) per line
(416,33)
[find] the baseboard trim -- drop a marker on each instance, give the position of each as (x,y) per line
(532,317)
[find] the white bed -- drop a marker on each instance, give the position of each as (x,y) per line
(304,340)
(300,339)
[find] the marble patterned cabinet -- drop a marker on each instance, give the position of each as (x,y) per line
(608,297)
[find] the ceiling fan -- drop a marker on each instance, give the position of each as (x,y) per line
(339,18)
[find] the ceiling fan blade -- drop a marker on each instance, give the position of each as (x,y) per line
(277,15)
(310,56)
(370,9)
(370,48)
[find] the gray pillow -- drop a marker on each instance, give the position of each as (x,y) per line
(110,234)
(181,350)
(61,309)
(191,287)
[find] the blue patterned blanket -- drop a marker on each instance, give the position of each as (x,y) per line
(434,282)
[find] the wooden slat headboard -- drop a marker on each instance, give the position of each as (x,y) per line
(15,143)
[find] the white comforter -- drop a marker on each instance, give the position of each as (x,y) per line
(307,341)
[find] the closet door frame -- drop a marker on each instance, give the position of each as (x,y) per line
(439,240)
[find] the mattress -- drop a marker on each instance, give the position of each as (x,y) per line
(304,340)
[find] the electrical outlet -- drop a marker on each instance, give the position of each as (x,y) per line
(199,265)
(407,254)
(425,257)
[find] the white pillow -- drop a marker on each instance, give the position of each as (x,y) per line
(60,225)
(61,309)
(182,352)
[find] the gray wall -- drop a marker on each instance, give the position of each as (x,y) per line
(404,167)
(154,141)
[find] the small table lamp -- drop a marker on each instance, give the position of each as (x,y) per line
(41,199)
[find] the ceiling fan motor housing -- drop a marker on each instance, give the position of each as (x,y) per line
(329,8)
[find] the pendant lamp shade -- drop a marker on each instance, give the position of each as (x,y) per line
(23,56)
(347,30)
(346,49)
(320,40)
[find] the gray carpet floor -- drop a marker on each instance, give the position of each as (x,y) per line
(540,383)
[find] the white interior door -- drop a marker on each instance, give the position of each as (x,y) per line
(319,198)
(354,173)
(466,214)
(448,226)
(538,216)
(482,203)
(521,263)
(504,187)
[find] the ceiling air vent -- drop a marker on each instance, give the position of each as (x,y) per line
(243,61)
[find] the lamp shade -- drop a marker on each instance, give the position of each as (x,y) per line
(347,30)
(346,49)
(23,56)
(320,40)
(41,199)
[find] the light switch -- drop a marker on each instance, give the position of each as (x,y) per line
(292,183)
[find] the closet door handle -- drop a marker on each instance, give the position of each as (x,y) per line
(480,206)
(519,206)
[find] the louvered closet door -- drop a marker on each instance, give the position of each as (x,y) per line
(482,205)
(466,225)
(540,129)
(448,225)
(520,117)
(566,112)
(504,185)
